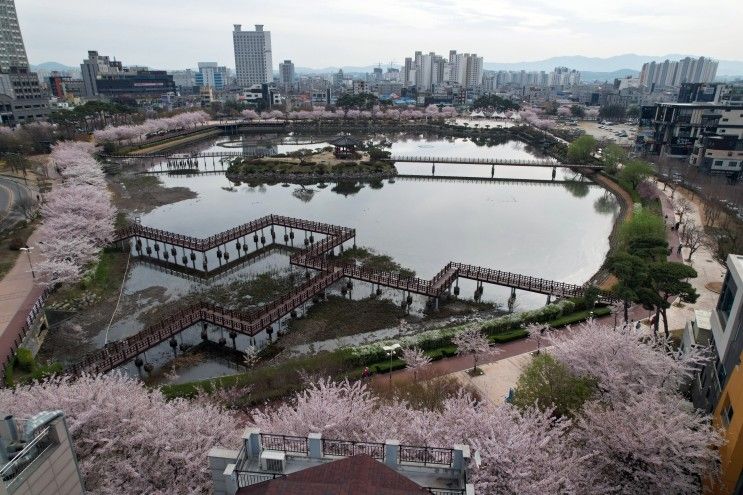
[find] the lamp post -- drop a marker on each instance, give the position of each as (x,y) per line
(28,253)
(391,351)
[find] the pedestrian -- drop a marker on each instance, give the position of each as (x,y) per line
(678,250)
(670,251)
(366,374)
(677,225)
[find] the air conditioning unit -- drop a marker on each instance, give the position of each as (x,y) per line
(273,461)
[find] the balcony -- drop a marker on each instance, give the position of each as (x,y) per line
(267,456)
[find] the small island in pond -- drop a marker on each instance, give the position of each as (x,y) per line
(347,158)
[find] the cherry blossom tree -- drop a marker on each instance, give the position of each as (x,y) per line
(130,132)
(129,439)
(472,341)
(250,114)
(592,113)
(564,111)
(415,360)
(78,214)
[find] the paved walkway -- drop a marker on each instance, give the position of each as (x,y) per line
(708,270)
(18,293)
(498,378)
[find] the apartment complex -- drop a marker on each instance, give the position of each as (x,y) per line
(22,99)
(253,58)
(105,77)
(38,457)
(705,127)
(718,387)
(672,73)
(425,72)
(560,76)
(211,74)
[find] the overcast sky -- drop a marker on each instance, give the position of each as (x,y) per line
(173,34)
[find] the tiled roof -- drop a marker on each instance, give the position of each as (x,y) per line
(356,475)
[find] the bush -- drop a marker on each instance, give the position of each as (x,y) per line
(24,359)
(503,337)
(16,243)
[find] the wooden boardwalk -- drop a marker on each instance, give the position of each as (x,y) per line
(316,256)
(488,161)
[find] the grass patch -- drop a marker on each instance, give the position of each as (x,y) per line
(24,368)
(508,336)
(579,316)
(101,281)
(337,317)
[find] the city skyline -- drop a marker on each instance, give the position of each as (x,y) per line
(343,35)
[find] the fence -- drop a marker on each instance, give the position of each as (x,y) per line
(9,349)
(348,448)
(425,455)
(285,443)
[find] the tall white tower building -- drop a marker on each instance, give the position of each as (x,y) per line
(12,51)
(253,58)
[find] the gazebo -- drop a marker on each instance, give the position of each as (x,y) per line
(345,146)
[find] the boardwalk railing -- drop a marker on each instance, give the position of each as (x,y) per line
(486,161)
(316,256)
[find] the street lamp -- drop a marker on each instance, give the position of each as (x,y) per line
(28,253)
(391,351)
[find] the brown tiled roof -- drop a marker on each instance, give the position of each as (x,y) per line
(357,475)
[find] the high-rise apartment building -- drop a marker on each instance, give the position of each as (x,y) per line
(425,72)
(286,75)
(673,74)
(253,58)
(212,75)
(22,98)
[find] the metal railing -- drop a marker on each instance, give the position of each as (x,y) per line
(285,443)
(348,448)
(447,491)
(247,478)
(425,455)
(11,472)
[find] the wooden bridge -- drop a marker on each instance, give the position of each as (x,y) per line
(316,256)
(488,161)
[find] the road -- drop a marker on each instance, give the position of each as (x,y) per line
(11,191)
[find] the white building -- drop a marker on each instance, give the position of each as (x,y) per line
(671,73)
(425,72)
(253,58)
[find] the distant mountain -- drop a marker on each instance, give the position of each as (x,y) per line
(51,66)
(590,76)
(628,61)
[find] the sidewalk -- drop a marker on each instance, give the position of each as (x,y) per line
(708,270)
(498,378)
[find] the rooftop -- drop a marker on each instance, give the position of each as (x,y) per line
(357,475)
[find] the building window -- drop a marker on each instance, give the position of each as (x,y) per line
(727,296)
(727,414)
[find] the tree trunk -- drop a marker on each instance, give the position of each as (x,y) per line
(656,322)
(626,311)
(665,323)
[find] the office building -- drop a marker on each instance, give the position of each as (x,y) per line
(22,99)
(286,75)
(658,75)
(212,75)
(38,457)
(105,77)
(63,86)
(253,58)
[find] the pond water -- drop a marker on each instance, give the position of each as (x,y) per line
(555,230)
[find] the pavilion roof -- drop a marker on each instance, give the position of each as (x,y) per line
(345,141)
